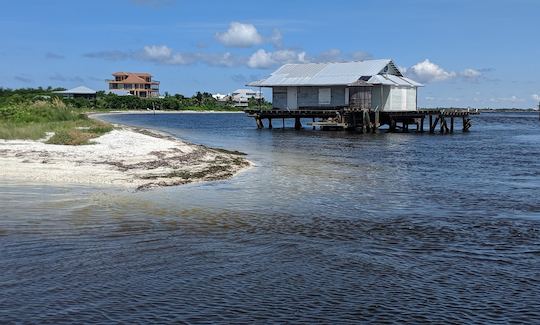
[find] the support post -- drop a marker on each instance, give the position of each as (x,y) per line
(434,126)
(422,124)
(297,124)
(452,124)
(376,122)
(392,125)
(313,122)
(466,124)
(259,122)
(367,120)
(443,122)
(270,123)
(283,120)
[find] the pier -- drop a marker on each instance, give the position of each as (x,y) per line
(443,121)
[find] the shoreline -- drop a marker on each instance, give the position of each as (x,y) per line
(142,112)
(127,157)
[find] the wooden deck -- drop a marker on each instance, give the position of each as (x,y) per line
(368,120)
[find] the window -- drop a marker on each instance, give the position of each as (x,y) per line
(325,96)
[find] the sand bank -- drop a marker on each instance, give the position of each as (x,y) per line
(126,157)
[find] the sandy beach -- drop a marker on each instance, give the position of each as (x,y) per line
(125,157)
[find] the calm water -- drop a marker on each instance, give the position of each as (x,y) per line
(328,227)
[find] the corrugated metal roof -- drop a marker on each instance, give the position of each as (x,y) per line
(391,80)
(316,74)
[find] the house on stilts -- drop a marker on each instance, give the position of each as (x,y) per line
(351,95)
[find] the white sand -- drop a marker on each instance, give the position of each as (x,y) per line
(122,157)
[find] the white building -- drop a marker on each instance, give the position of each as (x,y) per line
(240,97)
(370,84)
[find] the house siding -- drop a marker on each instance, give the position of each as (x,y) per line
(279,97)
(308,97)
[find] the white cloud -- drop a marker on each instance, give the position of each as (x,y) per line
(427,71)
(263,59)
(240,35)
(157,52)
(536,97)
(471,74)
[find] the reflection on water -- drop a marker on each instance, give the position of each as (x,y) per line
(329,227)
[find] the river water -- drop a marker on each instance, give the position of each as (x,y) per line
(328,227)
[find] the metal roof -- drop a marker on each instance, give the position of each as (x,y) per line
(391,80)
(82,90)
(323,74)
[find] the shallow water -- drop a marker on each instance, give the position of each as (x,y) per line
(328,227)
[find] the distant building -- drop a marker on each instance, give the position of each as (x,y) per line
(370,84)
(78,92)
(118,92)
(240,97)
(220,97)
(137,84)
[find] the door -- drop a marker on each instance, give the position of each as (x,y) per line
(292,98)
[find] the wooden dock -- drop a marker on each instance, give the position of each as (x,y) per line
(365,121)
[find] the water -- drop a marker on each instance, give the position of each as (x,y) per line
(328,227)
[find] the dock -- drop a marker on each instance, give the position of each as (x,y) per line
(443,121)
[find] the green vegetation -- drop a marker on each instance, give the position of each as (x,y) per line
(201,101)
(32,120)
(30,113)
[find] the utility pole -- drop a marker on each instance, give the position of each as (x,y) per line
(539,110)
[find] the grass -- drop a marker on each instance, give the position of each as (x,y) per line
(32,122)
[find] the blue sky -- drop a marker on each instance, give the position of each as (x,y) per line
(468,53)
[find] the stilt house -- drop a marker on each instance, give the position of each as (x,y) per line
(372,84)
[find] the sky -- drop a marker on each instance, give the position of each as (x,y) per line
(467,53)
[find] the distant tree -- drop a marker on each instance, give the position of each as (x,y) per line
(199,98)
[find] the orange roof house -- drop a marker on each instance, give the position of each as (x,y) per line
(139,84)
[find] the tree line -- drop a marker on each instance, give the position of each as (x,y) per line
(110,101)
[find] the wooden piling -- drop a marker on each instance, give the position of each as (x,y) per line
(270,123)
(259,122)
(368,121)
(297,124)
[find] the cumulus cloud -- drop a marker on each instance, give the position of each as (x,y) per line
(427,71)
(163,54)
(471,74)
(263,59)
(157,52)
(240,35)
